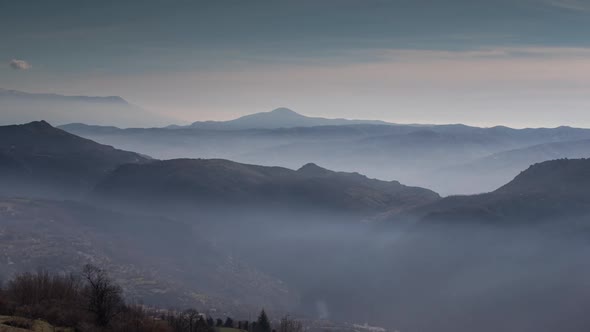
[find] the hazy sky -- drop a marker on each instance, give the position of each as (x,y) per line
(513,62)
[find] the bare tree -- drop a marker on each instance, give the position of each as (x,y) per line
(290,325)
(192,317)
(103,295)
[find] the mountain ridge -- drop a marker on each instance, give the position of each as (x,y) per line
(216,182)
(556,189)
(281,117)
(39,156)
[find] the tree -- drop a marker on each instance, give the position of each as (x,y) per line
(219,322)
(229,322)
(263,324)
(289,325)
(3,304)
(191,316)
(103,295)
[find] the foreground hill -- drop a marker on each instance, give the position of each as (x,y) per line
(38,159)
(221,183)
(557,189)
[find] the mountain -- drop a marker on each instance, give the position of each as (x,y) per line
(21,107)
(494,170)
(278,118)
(556,190)
(555,178)
(38,159)
(204,184)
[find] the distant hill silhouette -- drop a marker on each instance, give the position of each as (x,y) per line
(22,107)
(278,118)
(214,182)
(4,93)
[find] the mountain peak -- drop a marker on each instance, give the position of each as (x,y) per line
(311,169)
(41,123)
(284,111)
(39,126)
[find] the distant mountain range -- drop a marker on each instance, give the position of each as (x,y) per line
(450,159)
(278,118)
(21,107)
(4,93)
(38,158)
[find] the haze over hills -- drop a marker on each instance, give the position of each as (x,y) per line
(21,107)
(67,233)
(236,225)
(189,241)
(432,156)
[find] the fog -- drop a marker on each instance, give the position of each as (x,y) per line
(230,239)
(401,276)
(406,276)
(456,278)
(450,160)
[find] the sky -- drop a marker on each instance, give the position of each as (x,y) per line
(520,63)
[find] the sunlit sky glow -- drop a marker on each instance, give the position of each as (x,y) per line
(518,62)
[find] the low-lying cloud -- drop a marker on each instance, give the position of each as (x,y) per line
(20,64)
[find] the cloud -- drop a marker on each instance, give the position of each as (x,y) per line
(576,5)
(20,65)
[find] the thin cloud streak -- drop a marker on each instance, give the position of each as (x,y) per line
(575,5)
